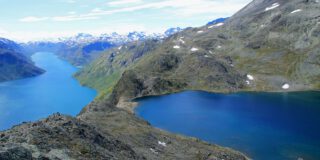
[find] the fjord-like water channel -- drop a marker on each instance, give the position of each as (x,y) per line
(37,97)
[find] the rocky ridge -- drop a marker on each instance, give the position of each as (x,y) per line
(13,63)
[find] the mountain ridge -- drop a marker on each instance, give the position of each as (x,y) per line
(257,49)
(13,64)
(83,48)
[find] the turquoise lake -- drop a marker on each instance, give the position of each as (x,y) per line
(264,126)
(34,98)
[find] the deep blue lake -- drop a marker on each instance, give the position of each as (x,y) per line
(34,98)
(264,126)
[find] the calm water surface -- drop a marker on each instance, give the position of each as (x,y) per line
(34,98)
(265,126)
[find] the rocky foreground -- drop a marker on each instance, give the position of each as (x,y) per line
(118,135)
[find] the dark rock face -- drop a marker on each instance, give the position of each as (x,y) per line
(13,64)
(15,153)
(167,63)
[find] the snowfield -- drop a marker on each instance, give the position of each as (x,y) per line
(216,25)
(250,77)
(273,6)
(194,49)
(286,86)
(295,11)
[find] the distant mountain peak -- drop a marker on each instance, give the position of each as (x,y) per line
(172,31)
(216,21)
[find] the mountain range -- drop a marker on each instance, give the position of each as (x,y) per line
(84,48)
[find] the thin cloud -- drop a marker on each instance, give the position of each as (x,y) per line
(178,7)
(171,11)
(122,2)
(73,18)
(33,19)
(96,10)
(182,7)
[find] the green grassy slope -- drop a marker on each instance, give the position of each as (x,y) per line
(107,69)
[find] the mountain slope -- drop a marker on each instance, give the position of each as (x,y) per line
(267,46)
(103,73)
(13,64)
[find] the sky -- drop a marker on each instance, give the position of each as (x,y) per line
(25,20)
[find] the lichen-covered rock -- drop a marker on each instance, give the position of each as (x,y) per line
(61,137)
(15,153)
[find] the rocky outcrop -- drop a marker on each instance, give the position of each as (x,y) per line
(61,137)
(102,134)
(149,142)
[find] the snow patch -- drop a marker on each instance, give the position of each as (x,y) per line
(211,52)
(206,56)
(286,86)
(297,10)
(200,32)
(162,143)
(250,77)
(248,82)
(176,47)
(273,6)
(182,41)
(216,25)
(194,49)
(219,47)
(120,48)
